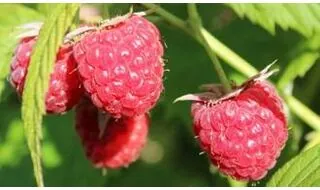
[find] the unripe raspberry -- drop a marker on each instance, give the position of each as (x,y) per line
(243,135)
(64,90)
(118,145)
(121,66)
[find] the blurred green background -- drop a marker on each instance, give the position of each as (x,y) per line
(171,157)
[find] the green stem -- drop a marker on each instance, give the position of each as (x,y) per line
(235,183)
(223,51)
(303,112)
(195,23)
(238,63)
(170,18)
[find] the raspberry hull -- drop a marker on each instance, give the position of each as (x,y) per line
(118,145)
(121,66)
(64,89)
(244,135)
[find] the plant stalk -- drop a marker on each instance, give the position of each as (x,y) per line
(196,24)
(238,63)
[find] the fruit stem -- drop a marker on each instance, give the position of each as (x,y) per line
(235,183)
(236,62)
(196,24)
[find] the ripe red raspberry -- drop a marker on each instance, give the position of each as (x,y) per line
(243,135)
(243,132)
(118,145)
(121,66)
(65,87)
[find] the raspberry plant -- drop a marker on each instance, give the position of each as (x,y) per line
(110,129)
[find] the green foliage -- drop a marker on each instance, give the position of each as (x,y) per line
(171,139)
(303,170)
(15,14)
(45,8)
(12,148)
(298,67)
(41,64)
(308,53)
(304,18)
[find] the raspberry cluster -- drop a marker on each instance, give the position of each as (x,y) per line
(112,73)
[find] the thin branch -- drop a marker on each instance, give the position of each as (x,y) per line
(195,23)
(238,63)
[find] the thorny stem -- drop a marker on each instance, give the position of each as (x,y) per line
(237,62)
(195,23)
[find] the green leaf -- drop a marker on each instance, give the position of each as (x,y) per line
(298,67)
(305,56)
(15,14)
(238,63)
(303,18)
(41,64)
(302,170)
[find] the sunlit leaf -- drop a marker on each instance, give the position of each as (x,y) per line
(302,170)
(41,64)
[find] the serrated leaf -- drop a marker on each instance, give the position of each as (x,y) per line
(41,64)
(303,18)
(302,170)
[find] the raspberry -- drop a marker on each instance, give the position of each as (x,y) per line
(245,134)
(244,131)
(120,143)
(64,89)
(121,66)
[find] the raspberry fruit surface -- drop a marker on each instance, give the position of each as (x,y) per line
(243,135)
(118,145)
(121,66)
(64,90)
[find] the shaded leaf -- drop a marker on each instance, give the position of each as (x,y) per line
(298,67)
(305,56)
(303,18)
(41,64)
